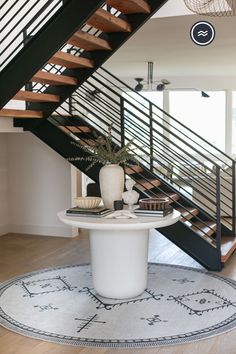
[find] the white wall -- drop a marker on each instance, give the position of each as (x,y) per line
(6,126)
(39,186)
(3,185)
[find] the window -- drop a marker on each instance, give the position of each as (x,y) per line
(205,116)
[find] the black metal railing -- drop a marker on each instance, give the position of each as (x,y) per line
(165,148)
(20,21)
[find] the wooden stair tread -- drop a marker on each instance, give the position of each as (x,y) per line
(173,196)
(133,169)
(187,213)
(71,61)
(88,42)
(228,246)
(130,7)
(75,129)
(35,97)
(20,113)
(207,228)
(106,22)
(53,79)
(143,184)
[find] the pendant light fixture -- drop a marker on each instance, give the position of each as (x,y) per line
(149,85)
(212,7)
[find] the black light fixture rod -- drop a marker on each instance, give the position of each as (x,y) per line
(150,74)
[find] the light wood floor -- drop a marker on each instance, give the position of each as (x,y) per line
(23,253)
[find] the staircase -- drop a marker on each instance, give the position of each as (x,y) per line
(166,150)
(86,36)
(69,98)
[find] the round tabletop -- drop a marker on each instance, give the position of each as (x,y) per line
(140,223)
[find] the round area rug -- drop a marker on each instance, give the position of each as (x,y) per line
(60,305)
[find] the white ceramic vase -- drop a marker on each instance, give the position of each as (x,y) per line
(111,180)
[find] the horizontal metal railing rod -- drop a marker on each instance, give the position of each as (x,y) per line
(162,191)
(132,113)
(174,119)
(99,104)
(166,156)
(140,149)
(184,189)
(107,96)
(16,24)
(180,205)
(2,6)
(21,43)
(95,115)
(199,191)
(115,109)
(178,158)
(99,109)
(43,8)
(12,17)
(141,103)
(8,10)
(69,121)
(166,130)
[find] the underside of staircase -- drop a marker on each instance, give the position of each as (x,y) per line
(58,65)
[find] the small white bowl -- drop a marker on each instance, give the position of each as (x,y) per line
(88,202)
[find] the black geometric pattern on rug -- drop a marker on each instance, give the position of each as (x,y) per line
(46,286)
(86,323)
(102,302)
(183,281)
(61,305)
(202,301)
(153,320)
(47,307)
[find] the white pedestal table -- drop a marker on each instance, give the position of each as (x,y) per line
(119,251)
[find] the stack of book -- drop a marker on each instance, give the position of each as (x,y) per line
(145,212)
(96,212)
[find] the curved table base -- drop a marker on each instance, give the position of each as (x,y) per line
(119,262)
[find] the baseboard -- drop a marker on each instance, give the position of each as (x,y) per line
(57,231)
(4,229)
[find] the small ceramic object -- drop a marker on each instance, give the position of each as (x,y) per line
(87,202)
(118,204)
(130,197)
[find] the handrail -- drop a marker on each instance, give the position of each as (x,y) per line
(166,113)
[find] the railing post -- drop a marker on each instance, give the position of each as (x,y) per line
(218,212)
(151,135)
(122,121)
(233,197)
(28,85)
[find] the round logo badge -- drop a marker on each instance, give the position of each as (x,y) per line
(202,33)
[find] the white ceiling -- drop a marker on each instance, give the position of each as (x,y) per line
(166,41)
